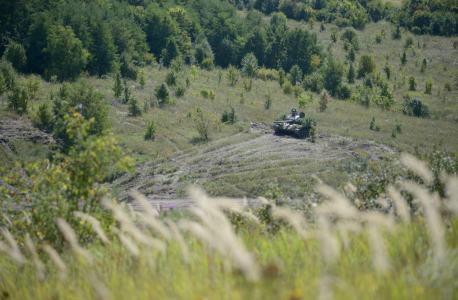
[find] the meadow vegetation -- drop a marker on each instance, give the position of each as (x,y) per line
(100,98)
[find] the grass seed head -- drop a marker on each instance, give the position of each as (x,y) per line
(95,225)
(37,264)
(419,167)
(70,236)
(402,209)
(127,242)
(57,260)
(13,250)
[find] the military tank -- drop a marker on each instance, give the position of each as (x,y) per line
(295,124)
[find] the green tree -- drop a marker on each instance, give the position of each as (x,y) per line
(250,65)
(367,65)
(203,124)
(281,77)
(151,129)
(403,58)
(295,74)
(232,75)
(387,70)
(142,78)
(162,94)
(15,53)
(102,49)
(351,74)
(134,108)
(67,55)
(332,75)
(429,86)
(351,36)
(334,33)
(18,100)
(194,72)
(117,88)
(170,52)
(396,33)
(352,54)
(412,83)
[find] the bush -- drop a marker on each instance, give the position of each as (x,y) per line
(367,65)
(44,116)
(387,70)
(378,38)
(304,99)
(344,91)
(295,75)
(297,91)
(281,77)
(67,184)
(33,85)
(268,100)
(351,36)
(142,78)
(180,90)
(208,64)
(229,116)
(313,82)
(18,100)
(232,75)
(205,93)
(408,42)
(134,108)
(150,132)
(250,65)
(416,107)
(324,100)
(416,30)
(162,94)
(334,33)
(9,74)
(2,84)
(412,83)
(429,86)
(287,88)
(117,87)
(212,95)
(15,53)
(351,75)
(203,124)
(396,33)
(404,58)
(171,78)
(448,85)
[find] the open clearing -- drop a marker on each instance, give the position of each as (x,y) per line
(227,165)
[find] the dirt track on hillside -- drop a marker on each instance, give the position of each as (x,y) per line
(161,187)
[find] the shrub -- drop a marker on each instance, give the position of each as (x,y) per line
(268,100)
(324,100)
(378,38)
(171,78)
(134,108)
(403,58)
(387,70)
(351,36)
(344,91)
(352,54)
(67,184)
(287,88)
(250,65)
(176,64)
(117,87)
(43,116)
(18,100)
(303,99)
(194,72)
(334,33)
(232,75)
(295,74)
(229,116)
(312,133)
(212,95)
(372,124)
(162,94)
(412,83)
(367,65)
(416,30)
(423,68)
(15,53)
(2,84)
(150,132)
(9,74)
(448,85)
(180,90)
(127,68)
(142,78)
(208,64)
(220,75)
(247,84)
(429,86)
(408,42)
(313,82)
(416,107)
(351,75)
(33,85)
(203,124)
(205,93)
(396,33)
(281,77)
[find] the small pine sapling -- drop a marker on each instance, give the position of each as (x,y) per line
(150,132)
(268,101)
(281,77)
(351,74)
(134,108)
(117,88)
(142,78)
(323,101)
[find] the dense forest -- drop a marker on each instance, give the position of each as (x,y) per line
(59,39)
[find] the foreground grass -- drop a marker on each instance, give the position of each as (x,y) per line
(292,269)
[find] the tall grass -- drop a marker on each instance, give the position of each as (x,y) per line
(343,253)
